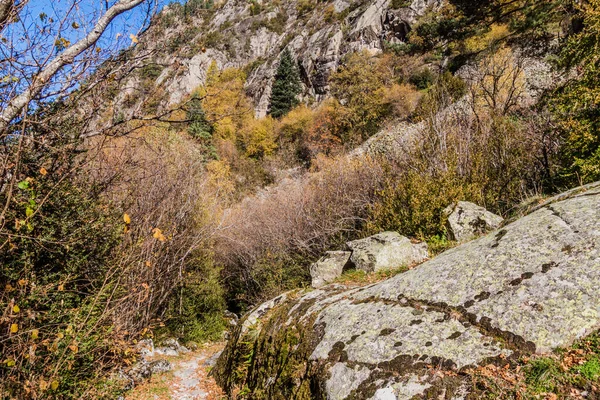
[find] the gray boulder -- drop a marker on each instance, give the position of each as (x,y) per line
(171,347)
(145,348)
(467,221)
(529,287)
(328,268)
(144,369)
(386,250)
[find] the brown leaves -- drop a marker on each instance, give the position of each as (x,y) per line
(573,358)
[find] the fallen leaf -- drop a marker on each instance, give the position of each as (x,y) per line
(43,171)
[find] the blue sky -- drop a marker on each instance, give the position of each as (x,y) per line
(85,13)
(46,25)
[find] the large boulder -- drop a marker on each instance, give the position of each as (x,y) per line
(384,251)
(329,267)
(467,221)
(527,288)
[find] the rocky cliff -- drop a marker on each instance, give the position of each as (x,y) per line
(251,35)
(528,287)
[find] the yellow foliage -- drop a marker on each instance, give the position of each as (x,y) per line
(126,218)
(220,177)
(224,100)
(14,328)
(157,234)
(258,137)
(494,35)
(296,123)
(499,83)
(402,100)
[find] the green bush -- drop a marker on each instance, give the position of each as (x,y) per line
(400,3)
(55,257)
(422,79)
(195,311)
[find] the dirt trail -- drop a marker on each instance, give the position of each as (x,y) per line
(188,380)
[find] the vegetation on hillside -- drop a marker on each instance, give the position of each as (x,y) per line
(155,223)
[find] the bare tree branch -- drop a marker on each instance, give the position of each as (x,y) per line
(66,57)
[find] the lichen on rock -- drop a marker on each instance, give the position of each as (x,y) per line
(528,287)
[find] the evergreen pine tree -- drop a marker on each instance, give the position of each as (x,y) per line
(286,86)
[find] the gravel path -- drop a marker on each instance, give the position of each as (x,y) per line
(188,380)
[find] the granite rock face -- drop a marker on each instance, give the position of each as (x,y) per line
(526,288)
(467,221)
(386,250)
(253,36)
(329,267)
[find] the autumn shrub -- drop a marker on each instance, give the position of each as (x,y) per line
(101,244)
(258,137)
(402,100)
(273,236)
(359,84)
(329,129)
(292,134)
(170,204)
(57,241)
(491,150)
(224,101)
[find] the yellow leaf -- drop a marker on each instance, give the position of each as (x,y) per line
(14,328)
(126,218)
(35,334)
(75,25)
(74,348)
(133,38)
(22,282)
(60,335)
(43,385)
(54,385)
(10,362)
(16,309)
(61,287)
(43,171)
(158,235)
(148,264)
